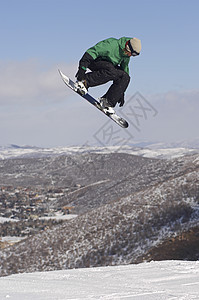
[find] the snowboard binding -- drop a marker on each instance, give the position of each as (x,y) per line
(80,87)
(107,108)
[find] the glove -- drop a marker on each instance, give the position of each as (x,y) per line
(121,102)
(80,74)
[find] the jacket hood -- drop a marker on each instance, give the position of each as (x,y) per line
(122,41)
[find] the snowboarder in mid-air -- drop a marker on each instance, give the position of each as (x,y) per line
(108,61)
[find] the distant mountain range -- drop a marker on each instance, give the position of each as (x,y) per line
(144,149)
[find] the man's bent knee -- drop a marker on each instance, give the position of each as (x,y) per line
(126,77)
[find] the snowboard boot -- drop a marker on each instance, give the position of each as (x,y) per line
(106,105)
(81,87)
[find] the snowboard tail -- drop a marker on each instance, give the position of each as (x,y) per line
(113,116)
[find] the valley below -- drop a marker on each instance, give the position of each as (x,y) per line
(91,209)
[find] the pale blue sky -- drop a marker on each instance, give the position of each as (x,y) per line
(39,36)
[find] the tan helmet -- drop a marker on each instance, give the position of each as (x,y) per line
(134,46)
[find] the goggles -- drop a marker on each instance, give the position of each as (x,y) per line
(129,48)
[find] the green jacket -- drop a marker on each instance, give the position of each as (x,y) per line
(112,50)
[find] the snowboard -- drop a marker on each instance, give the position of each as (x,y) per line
(113,116)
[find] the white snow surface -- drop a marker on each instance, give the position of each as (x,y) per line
(59,217)
(3,220)
(166,280)
(11,239)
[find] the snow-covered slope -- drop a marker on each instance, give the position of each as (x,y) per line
(166,280)
(157,202)
(127,204)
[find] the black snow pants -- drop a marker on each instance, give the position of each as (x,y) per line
(104,71)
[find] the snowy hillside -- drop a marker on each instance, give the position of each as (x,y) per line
(141,203)
(167,280)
